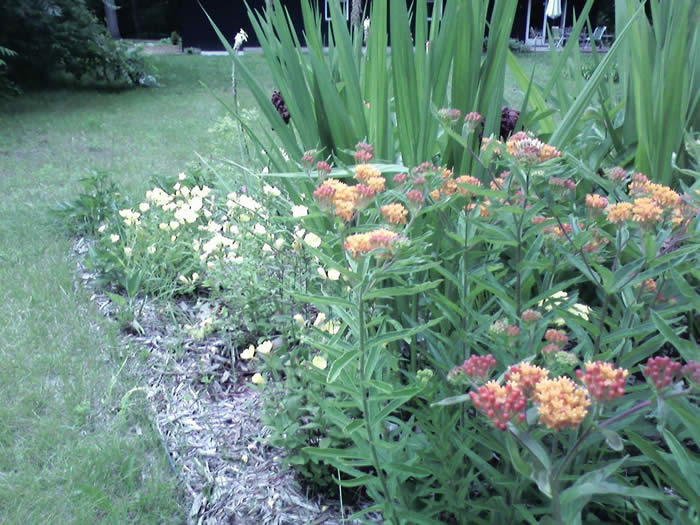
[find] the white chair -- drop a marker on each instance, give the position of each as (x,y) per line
(596,37)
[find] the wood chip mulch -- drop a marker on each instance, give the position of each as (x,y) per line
(208,416)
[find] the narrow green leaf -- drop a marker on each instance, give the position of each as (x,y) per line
(340,363)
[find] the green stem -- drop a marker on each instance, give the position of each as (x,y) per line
(465,282)
(366,409)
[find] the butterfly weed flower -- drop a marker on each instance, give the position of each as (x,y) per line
(526,376)
(620,212)
(530,316)
(450,115)
(561,403)
(616,174)
(603,380)
(364,172)
(645,211)
(395,213)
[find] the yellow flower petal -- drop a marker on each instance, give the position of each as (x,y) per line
(257,379)
(248,353)
(265,348)
(319,362)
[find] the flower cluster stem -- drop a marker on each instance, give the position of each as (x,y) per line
(364,393)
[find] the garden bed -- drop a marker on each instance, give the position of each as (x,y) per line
(207,414)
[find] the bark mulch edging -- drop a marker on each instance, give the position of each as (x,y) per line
(209,423)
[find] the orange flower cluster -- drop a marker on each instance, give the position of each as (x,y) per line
(603,381)
(530,150)
(525,377)
(362,243)
(394,213)
(466,180)
(365,172)
(561,403)
(595,201)
(619,212)
(651,204)
(646,211)
(450,185)
(500,403)
(345,199)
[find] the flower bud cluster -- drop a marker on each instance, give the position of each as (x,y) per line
(363,152)
(662,371)
(500,403)
(478,367)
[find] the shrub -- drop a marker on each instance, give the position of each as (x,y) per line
(64,36)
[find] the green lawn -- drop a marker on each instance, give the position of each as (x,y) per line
(71,451)
(68,454)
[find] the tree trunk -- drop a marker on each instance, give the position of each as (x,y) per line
(111,17)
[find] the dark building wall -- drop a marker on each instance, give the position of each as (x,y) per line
(229,15)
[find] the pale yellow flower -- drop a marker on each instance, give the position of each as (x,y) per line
(299,319)
(271,190)
(144,207)
(257,379)
(265,347)
(319,362)
(174,225)
(195,276)
(279,243)
(102,228)
(320,318)
(248,353)
(114,237)
(581,310)
(163,226)
(181,176)
(127,251)
(300,211)
(151,249)
(333,274)
(331,327)
(312,240)
(322,272)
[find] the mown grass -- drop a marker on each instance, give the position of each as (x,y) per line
(75,445)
